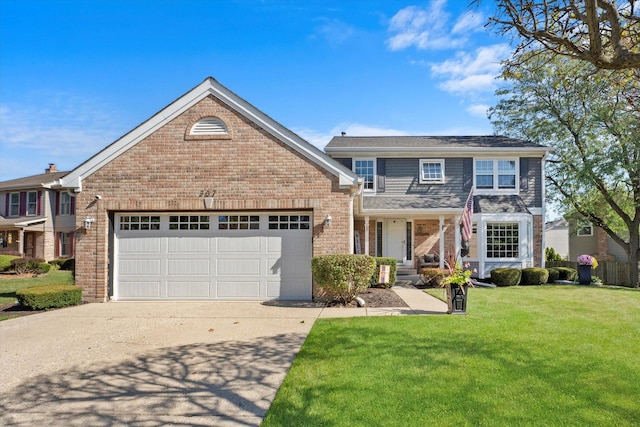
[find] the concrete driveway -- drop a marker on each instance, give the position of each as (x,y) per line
(149,364)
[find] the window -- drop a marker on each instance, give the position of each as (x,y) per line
(365,168)
(65,245)
(32,203)
(238,222)
(144,222)
(14,204)
(289,222)
(189,222)
(502,240)
(584,228)
(496,174)
(65,203)
(432,171)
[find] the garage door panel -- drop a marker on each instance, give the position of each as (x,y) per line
(238,244)
(238,267)
(239,289)
(188,289)
(140,289)
(141,267)
(188,267)
(140,245)
(189,245)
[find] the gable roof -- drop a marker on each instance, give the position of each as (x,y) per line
(403,145)
(33,181)
(209,86)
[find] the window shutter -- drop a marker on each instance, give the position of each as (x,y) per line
(7,211)
(524,174)
(39,203)
(56,250)
(381,170)
(58,197)
(467,174)
(23,203)
(72,207)
(72,242)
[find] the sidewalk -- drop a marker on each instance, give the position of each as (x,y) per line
(418,301)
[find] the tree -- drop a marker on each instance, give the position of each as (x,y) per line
(605,33)
(591,119)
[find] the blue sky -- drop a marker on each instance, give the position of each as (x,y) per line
(77,75)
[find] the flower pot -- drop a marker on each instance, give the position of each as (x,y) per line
(584,274)
(457,299)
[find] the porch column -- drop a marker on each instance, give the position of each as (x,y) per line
(21,241)
(441,248)
(366,235)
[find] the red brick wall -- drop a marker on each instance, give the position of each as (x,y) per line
(250,170)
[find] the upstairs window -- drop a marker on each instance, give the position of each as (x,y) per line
(496,174)
(14,204)
(32,203)
(365,168)
(432,171)
(584,228)
(65,203)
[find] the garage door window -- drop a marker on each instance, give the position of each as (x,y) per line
(289,222)
(189,222)
(238,222)
(140,223)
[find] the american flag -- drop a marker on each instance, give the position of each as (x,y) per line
(467,213)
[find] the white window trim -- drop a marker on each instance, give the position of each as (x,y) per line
(11,205)
(375,172)
(581,225)
(63,203)
(64,240)
(495,189)
(431,181)
(35,203)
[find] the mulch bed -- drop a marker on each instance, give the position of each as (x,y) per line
(381,297)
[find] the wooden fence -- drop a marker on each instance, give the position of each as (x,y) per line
(611,272)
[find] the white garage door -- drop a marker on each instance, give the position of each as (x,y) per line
(200,256)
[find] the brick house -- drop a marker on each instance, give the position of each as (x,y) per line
(208,199)
(35,220)
(415,188)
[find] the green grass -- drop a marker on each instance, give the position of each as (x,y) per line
(548,355)
(5,261)
(8,287)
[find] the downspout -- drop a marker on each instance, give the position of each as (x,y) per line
(351,224)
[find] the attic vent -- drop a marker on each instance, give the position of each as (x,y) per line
(209,126)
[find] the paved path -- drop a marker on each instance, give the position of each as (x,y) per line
(150,364)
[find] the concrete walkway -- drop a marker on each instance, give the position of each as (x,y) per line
(166,363)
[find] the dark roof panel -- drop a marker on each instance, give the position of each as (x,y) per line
(418,142)
(32,181)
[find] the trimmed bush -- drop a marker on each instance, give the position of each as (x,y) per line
(433,276)
(392,274)
(49,296)
(29,266)
(68,264)
(534,276)
(340,278)
(567,273)
(506,276)
(554,275)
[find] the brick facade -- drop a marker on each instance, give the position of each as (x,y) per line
(249,170)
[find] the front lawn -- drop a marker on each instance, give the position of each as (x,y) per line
(9,285)
(546,355)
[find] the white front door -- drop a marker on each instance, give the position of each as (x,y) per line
(395,239)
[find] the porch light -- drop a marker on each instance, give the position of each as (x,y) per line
(327,221)
(88,221)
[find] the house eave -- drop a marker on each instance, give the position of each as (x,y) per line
(390,152)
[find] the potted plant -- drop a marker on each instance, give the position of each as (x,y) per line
(456,284)
(585,264)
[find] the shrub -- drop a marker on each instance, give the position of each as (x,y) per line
(534,276)
(341,278)
(68,264)
(433,276)
(550,254)
(392,274)
(506,276)
(29,266)
(567,273)
(49,296)
(554,275)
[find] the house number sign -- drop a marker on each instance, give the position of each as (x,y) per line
(207,193)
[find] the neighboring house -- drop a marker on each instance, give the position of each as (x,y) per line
(35,220)
(208,199)
(556,234)
(584,238)
(415,189)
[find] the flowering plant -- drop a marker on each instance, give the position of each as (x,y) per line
(587,260)
(456,274)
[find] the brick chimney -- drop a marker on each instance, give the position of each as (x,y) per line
(51,168)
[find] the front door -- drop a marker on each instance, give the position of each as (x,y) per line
(395,239)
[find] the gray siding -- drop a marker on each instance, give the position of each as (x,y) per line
(403,179)
(531,181)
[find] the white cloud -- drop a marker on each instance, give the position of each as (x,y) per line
(333,31)
(321,139)
(472,72)
(478,110)
(429,28)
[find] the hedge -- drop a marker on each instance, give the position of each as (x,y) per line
(534,276)
(30,265)
(506,276)
(392,274)
(567,273)
(554,275)
(49,296)
(340,278)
